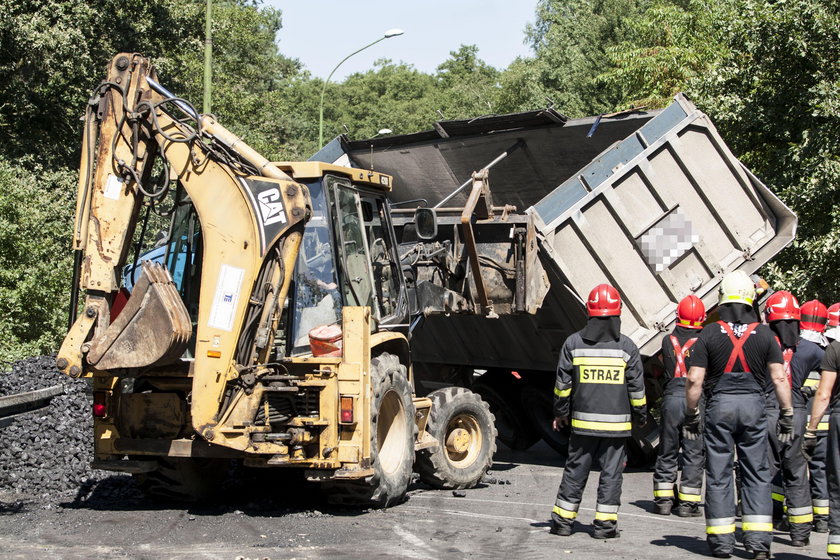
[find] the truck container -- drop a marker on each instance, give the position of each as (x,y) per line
(652,202)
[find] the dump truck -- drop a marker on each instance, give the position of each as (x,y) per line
(270,329)
(529,211)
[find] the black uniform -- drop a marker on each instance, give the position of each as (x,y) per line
(735,418)
(790,470)
(670,432)
(831,362)
(600,386)
(806,375)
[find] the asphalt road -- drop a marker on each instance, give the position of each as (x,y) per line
(505,518)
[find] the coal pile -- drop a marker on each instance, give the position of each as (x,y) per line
(45,455)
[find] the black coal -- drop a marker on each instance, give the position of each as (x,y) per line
(46,454)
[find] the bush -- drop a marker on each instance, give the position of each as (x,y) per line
(36,221)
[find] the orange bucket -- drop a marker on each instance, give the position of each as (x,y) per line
(325,340)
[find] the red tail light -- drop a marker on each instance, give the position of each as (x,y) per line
(346,410)
(100,404)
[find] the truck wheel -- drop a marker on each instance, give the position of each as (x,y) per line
(514,429)
(464,426)
(539,408)
(185,479)
(393,433)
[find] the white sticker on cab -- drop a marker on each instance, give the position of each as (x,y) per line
(226,298)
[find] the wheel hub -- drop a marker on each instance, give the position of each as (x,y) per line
(458,440)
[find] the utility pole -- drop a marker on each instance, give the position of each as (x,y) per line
(208,55)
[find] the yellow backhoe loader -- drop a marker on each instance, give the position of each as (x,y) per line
(273,328)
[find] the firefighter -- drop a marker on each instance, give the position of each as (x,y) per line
(828,393)
(729,363)
(790,470)
(600,386)
(675,349)
(817,337)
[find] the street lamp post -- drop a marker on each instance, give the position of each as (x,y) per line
(388,34)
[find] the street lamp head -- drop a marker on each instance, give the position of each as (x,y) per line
(384,131)
(393,33)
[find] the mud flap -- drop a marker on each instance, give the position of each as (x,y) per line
(154,328)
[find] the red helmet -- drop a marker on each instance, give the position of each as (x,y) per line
(782,305)
(691,312)
(834,315)
(814,316)
(604,301)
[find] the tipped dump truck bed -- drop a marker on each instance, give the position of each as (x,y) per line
(654,203)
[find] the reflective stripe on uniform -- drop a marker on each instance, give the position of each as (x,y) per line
(562,393)
(663,489)
(800,514)
(590,361)
(566,510)
(688,494)
(595,417)
(757,522)
(820,507)
(823,424)
(603,422)
(813,379)
(600,353)
(604,512)
(638,398)
(833,544)
(603,426)
(778,494)
(720,526)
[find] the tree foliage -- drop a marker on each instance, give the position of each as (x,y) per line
(776,99)
(36,213)
(670,44)
(570,39)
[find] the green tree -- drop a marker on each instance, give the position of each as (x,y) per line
(36,213)
(570,39)
(466,86)
(52,54)
(776,99)
(668,45)
(393,96)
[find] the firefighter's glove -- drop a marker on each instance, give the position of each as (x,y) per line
(640,415)
(785,428)
(691,424)
(809,443)
(808,392)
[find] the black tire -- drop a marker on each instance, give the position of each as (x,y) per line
(464,427)
(185,480)
(393,433)
(514,429)
(538,404)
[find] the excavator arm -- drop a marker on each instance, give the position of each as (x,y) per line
(251,216)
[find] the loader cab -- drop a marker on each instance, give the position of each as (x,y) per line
(348,257)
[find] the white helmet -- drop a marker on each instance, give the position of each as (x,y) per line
(737,287)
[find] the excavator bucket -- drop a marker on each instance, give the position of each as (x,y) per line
(153,328)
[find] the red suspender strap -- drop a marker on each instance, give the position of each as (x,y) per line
(738,346)
(787,356)
(679,355)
